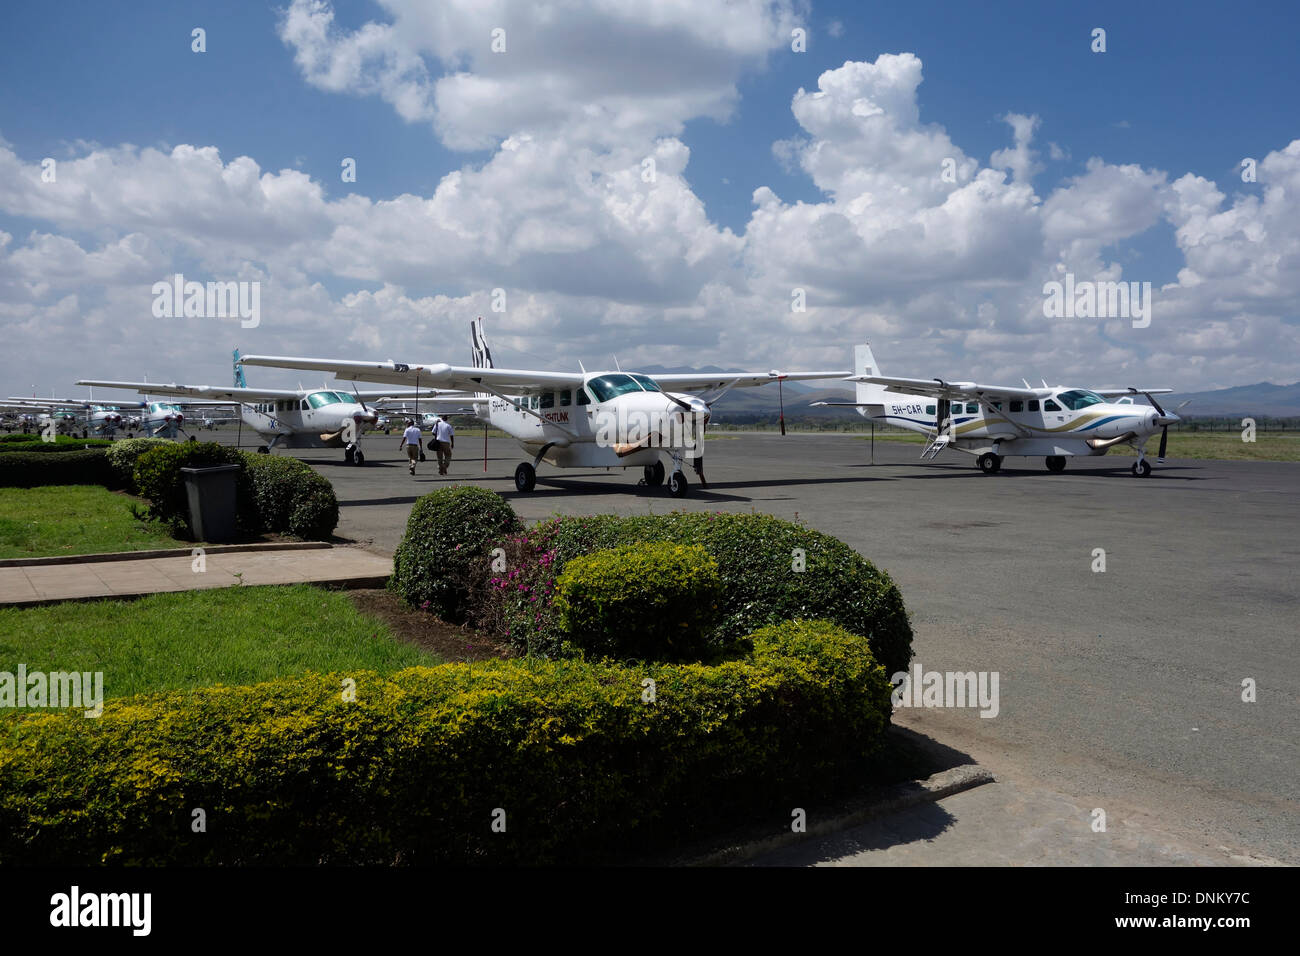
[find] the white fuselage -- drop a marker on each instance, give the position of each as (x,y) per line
(1057,423)
(314,418)
(613,420)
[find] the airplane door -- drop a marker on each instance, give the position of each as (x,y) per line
(942,413)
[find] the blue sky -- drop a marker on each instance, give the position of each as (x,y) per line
(1182,88)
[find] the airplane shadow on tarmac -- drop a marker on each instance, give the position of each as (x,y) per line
(959,471)
(558,487)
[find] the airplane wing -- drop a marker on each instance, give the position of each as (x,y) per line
(1118,392)
(703,382)
(227,393)
(442,376)
(937,388)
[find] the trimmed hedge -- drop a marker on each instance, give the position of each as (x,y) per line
(282,495)
(63,444)
(413,770)
(449,536)
(656,601)
(285,495)
(756,556)
(125,454)
(27,469)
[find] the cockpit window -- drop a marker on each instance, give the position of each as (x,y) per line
(1078,399)
(606,387)
(646,382)
(321,399)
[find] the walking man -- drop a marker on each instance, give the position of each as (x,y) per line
(411,442)
(445,436)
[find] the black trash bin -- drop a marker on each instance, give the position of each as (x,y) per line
(211,495)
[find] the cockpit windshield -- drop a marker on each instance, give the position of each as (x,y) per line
(605,387)
(320,399)
(1078,399)
(164,407)
(646,382)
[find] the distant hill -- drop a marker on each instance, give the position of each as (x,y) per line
(1256,401)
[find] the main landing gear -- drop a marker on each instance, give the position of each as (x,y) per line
(990,463)
(352,454)
(653,475)
(1056,464)
(525,477)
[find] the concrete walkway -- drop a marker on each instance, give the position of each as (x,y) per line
(127,575)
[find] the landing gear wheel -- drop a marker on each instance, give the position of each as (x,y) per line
(263,450)
(358,458)
(677,484)
(654,474)
(990,463)
(1141,469)
(1056,463)
(525,477)
(350,453)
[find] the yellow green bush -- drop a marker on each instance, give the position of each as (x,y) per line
(585,761)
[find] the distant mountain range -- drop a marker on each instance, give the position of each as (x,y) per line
(1263,400)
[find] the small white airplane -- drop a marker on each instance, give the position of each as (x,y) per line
(994,421)
(294,417)
(101,419)
(611,419)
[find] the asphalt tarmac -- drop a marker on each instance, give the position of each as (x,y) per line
(1119,689)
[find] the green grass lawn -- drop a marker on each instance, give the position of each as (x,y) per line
(73,519)
(193,639)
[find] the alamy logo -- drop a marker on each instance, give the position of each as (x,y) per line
(57,689)
(213,300)
(627,431)
(103,909)
(922,688)
(1098,300)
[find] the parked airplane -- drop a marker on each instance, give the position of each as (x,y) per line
(294,417)
(612,419)
(994,421)
(90,416)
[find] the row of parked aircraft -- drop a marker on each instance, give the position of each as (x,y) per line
(625,419)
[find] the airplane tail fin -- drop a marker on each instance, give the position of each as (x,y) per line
(868,393)
(479,344)
(239,372)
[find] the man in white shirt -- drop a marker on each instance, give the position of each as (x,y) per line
(411,442)
(445,436)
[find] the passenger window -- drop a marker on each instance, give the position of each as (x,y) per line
(583,397)
(1017,405)
(929,409)
(972,408)
(304,404)
(998,406)
(566,398)
(548,400)
(1033,404)
(1051,406)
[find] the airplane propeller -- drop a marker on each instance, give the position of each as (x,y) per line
(1165,421)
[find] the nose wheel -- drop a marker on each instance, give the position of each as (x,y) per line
(525,477)
(677,484)
(990,463)
(1141,468)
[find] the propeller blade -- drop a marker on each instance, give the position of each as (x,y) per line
(781,398)
(1154,404)
(1164,441)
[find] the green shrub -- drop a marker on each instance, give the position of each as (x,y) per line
(654,601)
(125,454)
(158,477)
(62,443)
(756,554)
(25,469)
(413,769)
(284,495)
(448,538)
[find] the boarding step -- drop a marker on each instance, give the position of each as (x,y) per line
(936,445)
